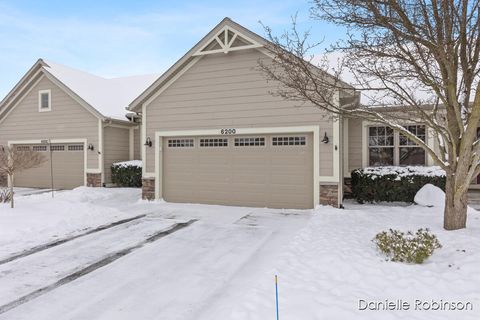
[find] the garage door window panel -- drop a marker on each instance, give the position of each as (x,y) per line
(250,142)
(289,141)
(181,143)
(75,147)
(214,142)
(57,148)
(39,148)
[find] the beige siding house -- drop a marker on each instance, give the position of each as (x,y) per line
(220,137)
(75,118)
(208,130)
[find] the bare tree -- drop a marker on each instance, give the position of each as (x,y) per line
(420,56)
(14,160)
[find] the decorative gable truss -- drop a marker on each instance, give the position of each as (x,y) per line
(227,40)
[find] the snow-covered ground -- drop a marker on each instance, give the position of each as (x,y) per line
(222,265)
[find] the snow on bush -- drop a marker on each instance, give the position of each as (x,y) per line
(127,173)
(131,163)
(407,247)
(430,196)
(434,171)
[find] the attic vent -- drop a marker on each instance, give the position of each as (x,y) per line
(227,40)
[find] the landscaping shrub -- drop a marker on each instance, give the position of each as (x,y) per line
(5,195)
(127,174)
(393,183)
(409,247)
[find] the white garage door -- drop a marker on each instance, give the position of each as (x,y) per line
(68,167)
(273,171)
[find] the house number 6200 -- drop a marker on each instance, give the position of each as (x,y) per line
(228,131)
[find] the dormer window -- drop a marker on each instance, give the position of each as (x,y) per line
(44,100)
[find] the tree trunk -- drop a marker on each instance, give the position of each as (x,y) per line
(11,191)
(455,214)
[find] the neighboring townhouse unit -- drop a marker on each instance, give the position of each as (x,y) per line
(76,118)
(215,134)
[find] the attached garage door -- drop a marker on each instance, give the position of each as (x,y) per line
(273,171)
(68,167)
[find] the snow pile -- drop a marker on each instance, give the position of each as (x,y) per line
(430,196)
(131,163)
(434,171)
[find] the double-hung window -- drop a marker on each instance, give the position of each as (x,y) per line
(380,146)
(386,147)
(409,153)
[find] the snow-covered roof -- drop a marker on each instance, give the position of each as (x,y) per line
(109,97)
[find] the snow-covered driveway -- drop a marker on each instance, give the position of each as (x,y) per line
(183,275)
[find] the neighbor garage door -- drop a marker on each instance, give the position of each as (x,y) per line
(273,171)
(68,167)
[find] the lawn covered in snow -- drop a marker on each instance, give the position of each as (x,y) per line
(223,265)
(38,218)
(332,265)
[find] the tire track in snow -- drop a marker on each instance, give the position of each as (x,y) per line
(94,266)
(55,243)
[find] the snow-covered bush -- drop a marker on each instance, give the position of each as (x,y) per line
(407,247)
(127,174)
(393,183)
(5,195)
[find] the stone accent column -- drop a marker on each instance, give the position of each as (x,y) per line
(148,188)
(94,180)
(347,188)
(329,194)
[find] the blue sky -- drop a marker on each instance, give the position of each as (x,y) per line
(121,38)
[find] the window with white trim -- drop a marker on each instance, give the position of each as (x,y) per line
(214,142)
(409,153)
(386,147)
(44,100)
(289,141)
(180,143)
(250,142)
(380,146)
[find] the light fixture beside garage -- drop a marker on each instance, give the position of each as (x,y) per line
(325,138)
(148,142)
(90,147)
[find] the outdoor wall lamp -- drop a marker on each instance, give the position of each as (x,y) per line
(90,147)
(325,138)
(148,142)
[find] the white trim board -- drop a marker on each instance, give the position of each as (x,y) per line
(76,140)
(159,135)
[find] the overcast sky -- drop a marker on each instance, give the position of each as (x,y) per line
(120,38)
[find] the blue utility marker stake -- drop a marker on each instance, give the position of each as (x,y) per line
(276,294)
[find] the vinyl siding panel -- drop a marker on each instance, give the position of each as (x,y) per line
(354,144)
(227,90)
(137,144)
(67,120)
(116,148)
